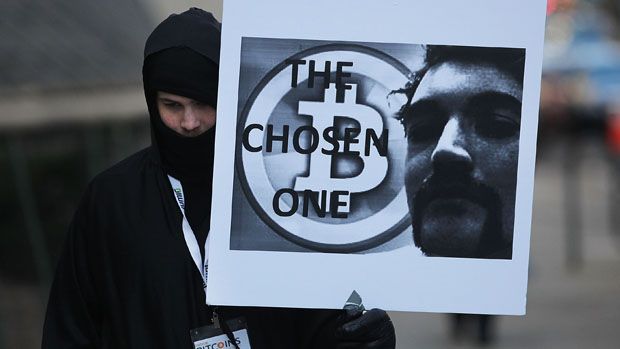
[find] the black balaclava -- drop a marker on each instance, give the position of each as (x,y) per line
(182,71)
(181,57)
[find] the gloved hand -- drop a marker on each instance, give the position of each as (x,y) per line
(370,330)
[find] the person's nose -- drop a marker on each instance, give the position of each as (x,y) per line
(451,152)
(190,120)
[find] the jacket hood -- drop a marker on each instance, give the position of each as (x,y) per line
(195,29)
(181,56)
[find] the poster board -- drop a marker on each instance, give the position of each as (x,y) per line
(318,175)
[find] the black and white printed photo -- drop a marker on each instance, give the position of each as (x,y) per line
(462,120)
(358,147)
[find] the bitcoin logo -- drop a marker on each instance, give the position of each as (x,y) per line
(322,163)
(323,117)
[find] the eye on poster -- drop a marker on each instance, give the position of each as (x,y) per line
(386,148)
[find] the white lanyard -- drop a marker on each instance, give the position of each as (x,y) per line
(188,234)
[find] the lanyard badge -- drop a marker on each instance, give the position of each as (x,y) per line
(214,337)
(231,334)
(190,239)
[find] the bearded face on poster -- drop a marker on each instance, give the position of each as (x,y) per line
(462,121)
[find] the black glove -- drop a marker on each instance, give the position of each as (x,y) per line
(370,330)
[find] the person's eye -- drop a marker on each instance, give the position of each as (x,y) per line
(425,129)
(497,126)
(172,105)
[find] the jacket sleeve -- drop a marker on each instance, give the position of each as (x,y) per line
(317,328)
(72,318)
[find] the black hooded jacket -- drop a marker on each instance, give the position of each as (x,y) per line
(126,279)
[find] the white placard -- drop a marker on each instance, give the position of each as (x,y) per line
(405,173)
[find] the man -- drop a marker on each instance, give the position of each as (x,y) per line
(131,272)
(462,122)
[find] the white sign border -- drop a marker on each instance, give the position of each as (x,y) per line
(402,279)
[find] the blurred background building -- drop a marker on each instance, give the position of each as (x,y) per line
(71,104)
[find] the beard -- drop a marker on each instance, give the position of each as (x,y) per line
(458,216)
